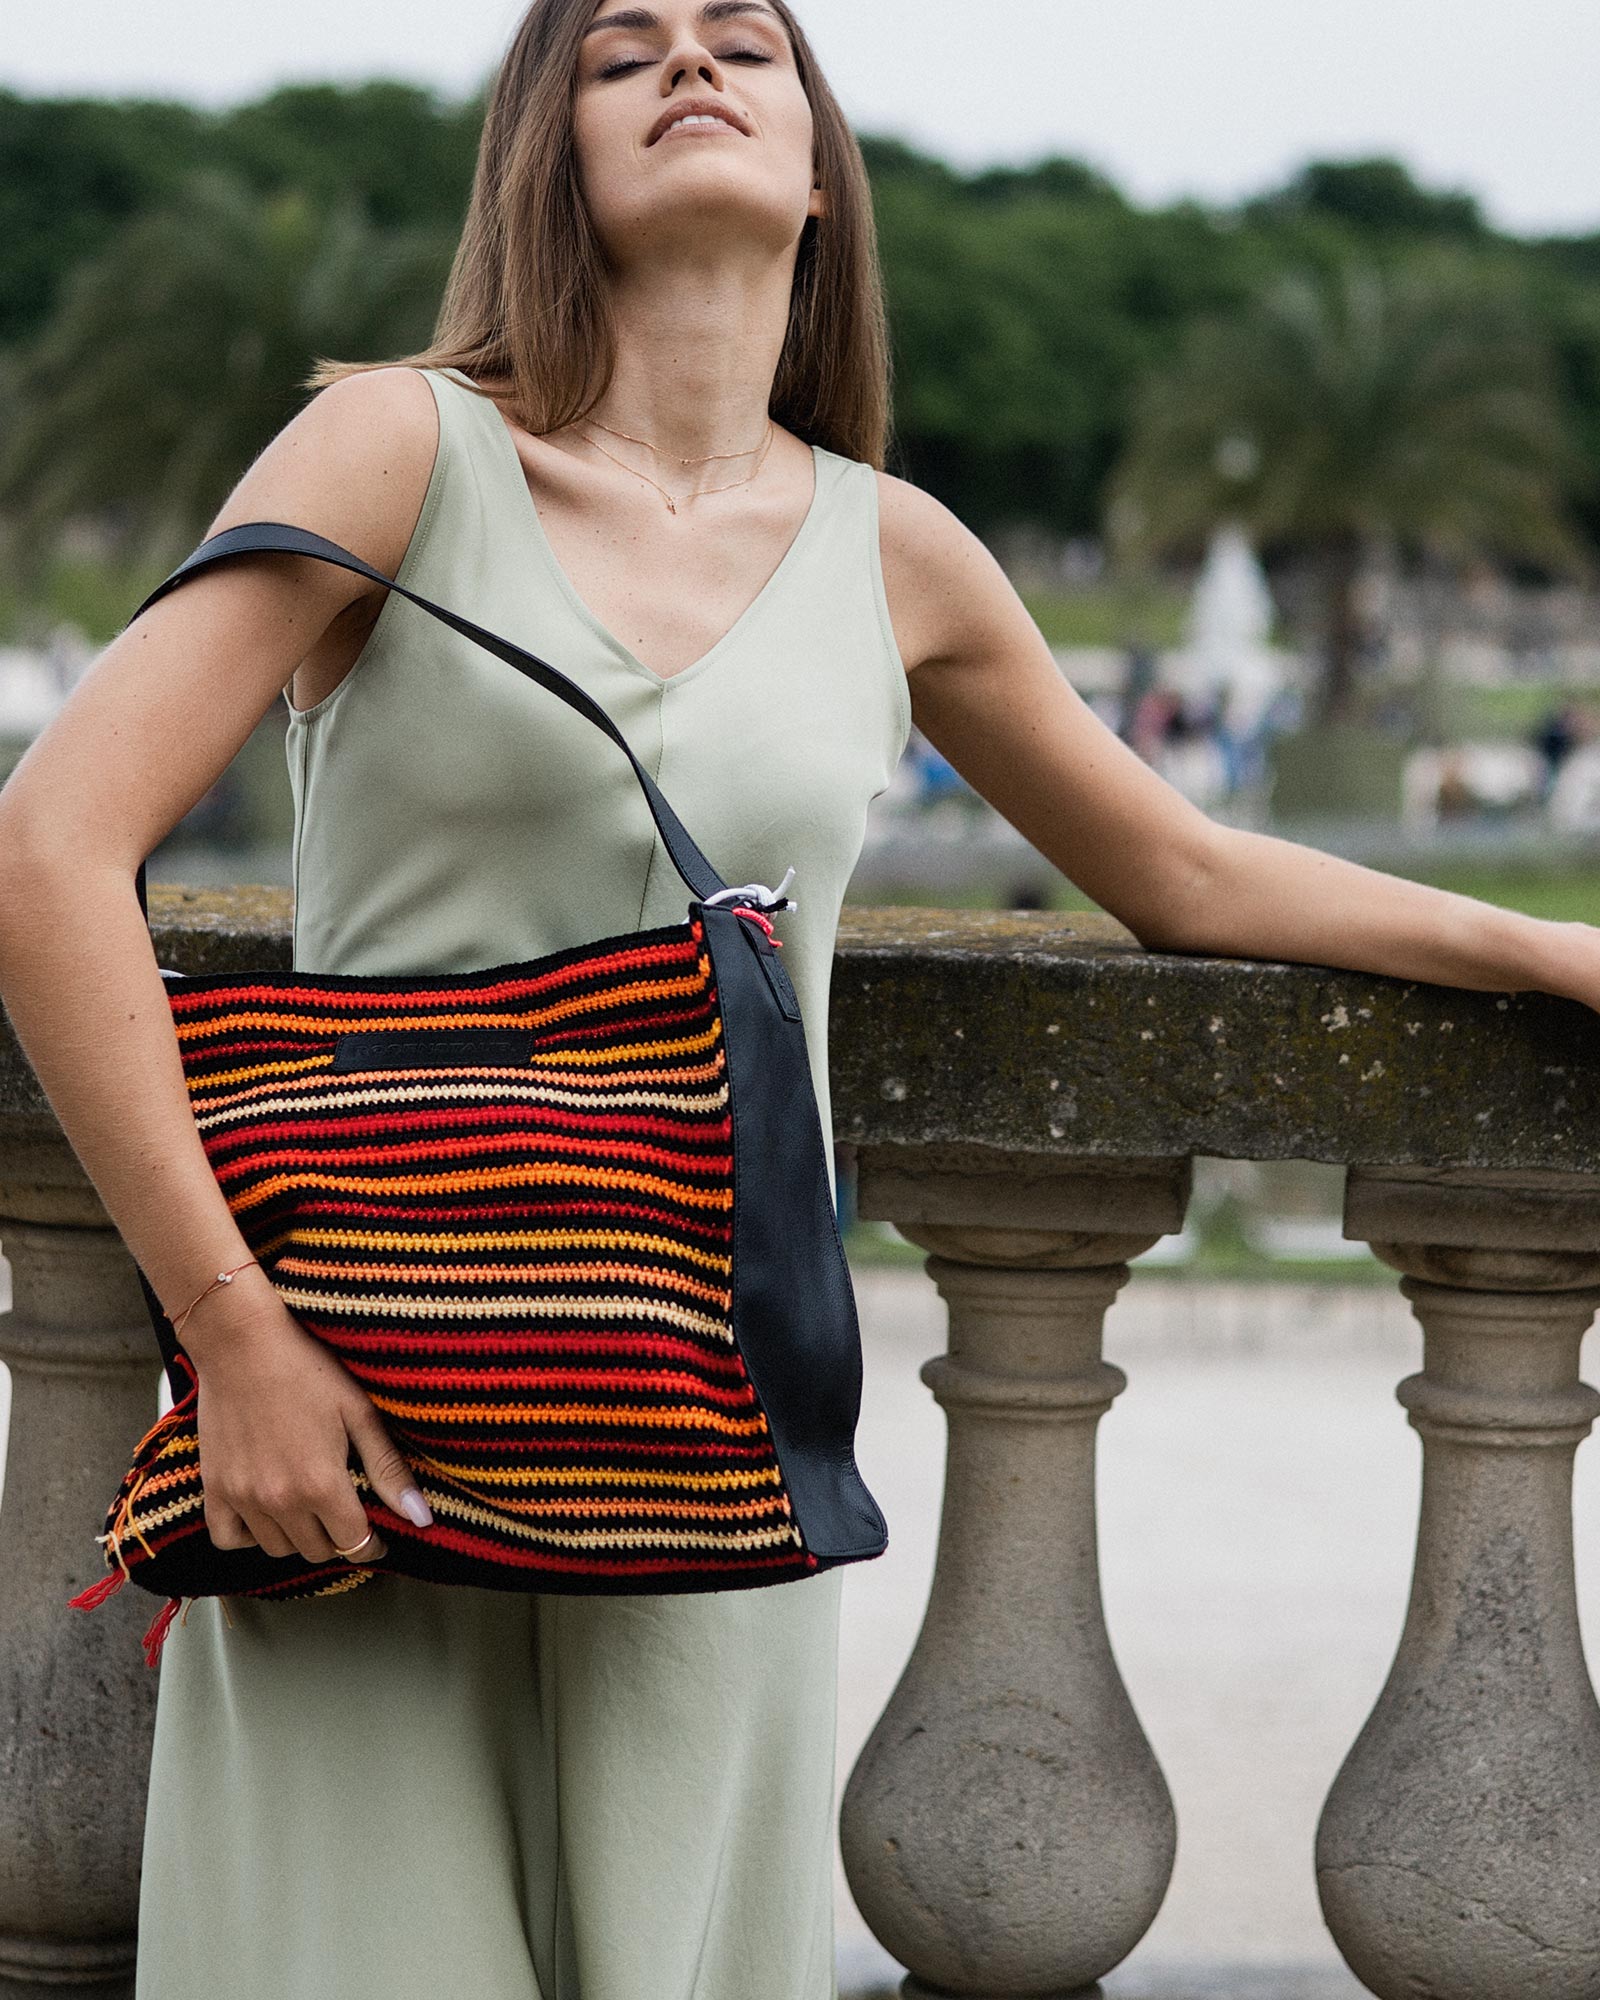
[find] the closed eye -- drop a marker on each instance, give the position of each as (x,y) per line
(623,64)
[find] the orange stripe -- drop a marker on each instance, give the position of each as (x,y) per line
(475,1274)
(616,1414)
(505,1239)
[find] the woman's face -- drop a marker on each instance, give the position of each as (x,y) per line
(741,169)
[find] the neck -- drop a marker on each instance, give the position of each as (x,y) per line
(697,347)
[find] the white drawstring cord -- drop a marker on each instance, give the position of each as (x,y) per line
(770,899)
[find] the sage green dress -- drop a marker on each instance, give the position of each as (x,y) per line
(424,1792)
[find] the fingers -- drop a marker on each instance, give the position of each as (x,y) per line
(344,1523)
(288,1511)
(386,1466)
(226,1527)
(327,1522)
(317,1528)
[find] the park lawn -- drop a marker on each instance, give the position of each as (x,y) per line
(1561,895)
(1120,614)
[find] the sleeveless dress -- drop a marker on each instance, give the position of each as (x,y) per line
(416,1790)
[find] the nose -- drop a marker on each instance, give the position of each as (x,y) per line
(690,58)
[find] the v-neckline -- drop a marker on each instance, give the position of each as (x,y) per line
(569,591)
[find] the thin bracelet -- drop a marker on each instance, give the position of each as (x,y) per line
(222,1278)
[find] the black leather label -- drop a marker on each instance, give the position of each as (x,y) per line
(772,965)
(780,983)
(442,1048)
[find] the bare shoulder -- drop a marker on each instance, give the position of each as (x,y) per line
(353,465)
(948,596)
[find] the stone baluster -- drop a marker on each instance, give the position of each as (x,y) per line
(1458,1853)
(1007,1829)
(77,1702)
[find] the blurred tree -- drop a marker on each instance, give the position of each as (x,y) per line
(177,352)
(1028,302)
(1021,321)
(1417,403)
(1375,197)
(74,172)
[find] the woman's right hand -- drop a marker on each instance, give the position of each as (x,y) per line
(276,1411)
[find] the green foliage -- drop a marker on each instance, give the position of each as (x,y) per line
(1374,197)
(72,173)
(177,352)
(1413,403)
(192,262)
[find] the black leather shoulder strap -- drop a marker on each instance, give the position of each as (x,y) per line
(250,537)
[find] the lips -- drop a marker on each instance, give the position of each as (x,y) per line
(691,106)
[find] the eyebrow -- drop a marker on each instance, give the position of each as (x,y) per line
(714,10)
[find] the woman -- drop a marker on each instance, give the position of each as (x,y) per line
(413,1790)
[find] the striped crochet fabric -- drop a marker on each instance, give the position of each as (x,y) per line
(516,1233)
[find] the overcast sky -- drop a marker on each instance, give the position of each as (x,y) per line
(1169,97)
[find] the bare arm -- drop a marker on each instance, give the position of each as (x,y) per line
(986,691)
(142,737)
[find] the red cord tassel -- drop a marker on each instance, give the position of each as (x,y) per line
(97,1593)
(156,1637)
(758,917)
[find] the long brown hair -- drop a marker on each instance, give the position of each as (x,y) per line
(526,305)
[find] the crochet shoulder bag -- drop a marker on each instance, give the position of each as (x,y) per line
(566,1220)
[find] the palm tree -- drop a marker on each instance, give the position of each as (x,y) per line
(180,350)
(1410,405)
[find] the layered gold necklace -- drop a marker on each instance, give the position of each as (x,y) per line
(704,459)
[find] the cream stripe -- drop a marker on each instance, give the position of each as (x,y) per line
(386,1304)
(330,1100)
(612,1538)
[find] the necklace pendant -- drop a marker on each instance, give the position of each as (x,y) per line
(672,507)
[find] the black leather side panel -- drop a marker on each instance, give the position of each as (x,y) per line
(794,1310)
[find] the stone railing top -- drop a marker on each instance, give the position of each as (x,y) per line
(1033,1033)
(1041,1033)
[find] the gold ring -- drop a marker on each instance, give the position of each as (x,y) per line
(356,1547)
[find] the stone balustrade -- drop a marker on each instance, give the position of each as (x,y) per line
(1023,1095)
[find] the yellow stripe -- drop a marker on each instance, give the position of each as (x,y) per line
(686,1510)
(360,1573)
(505,1239)
(284,1067)
(573,1475)
(611,1538)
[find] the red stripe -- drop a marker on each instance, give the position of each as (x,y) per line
(692,1124)
(488,1379)
(718,1233)
(614,965)
(555,1343)
(256,1165)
